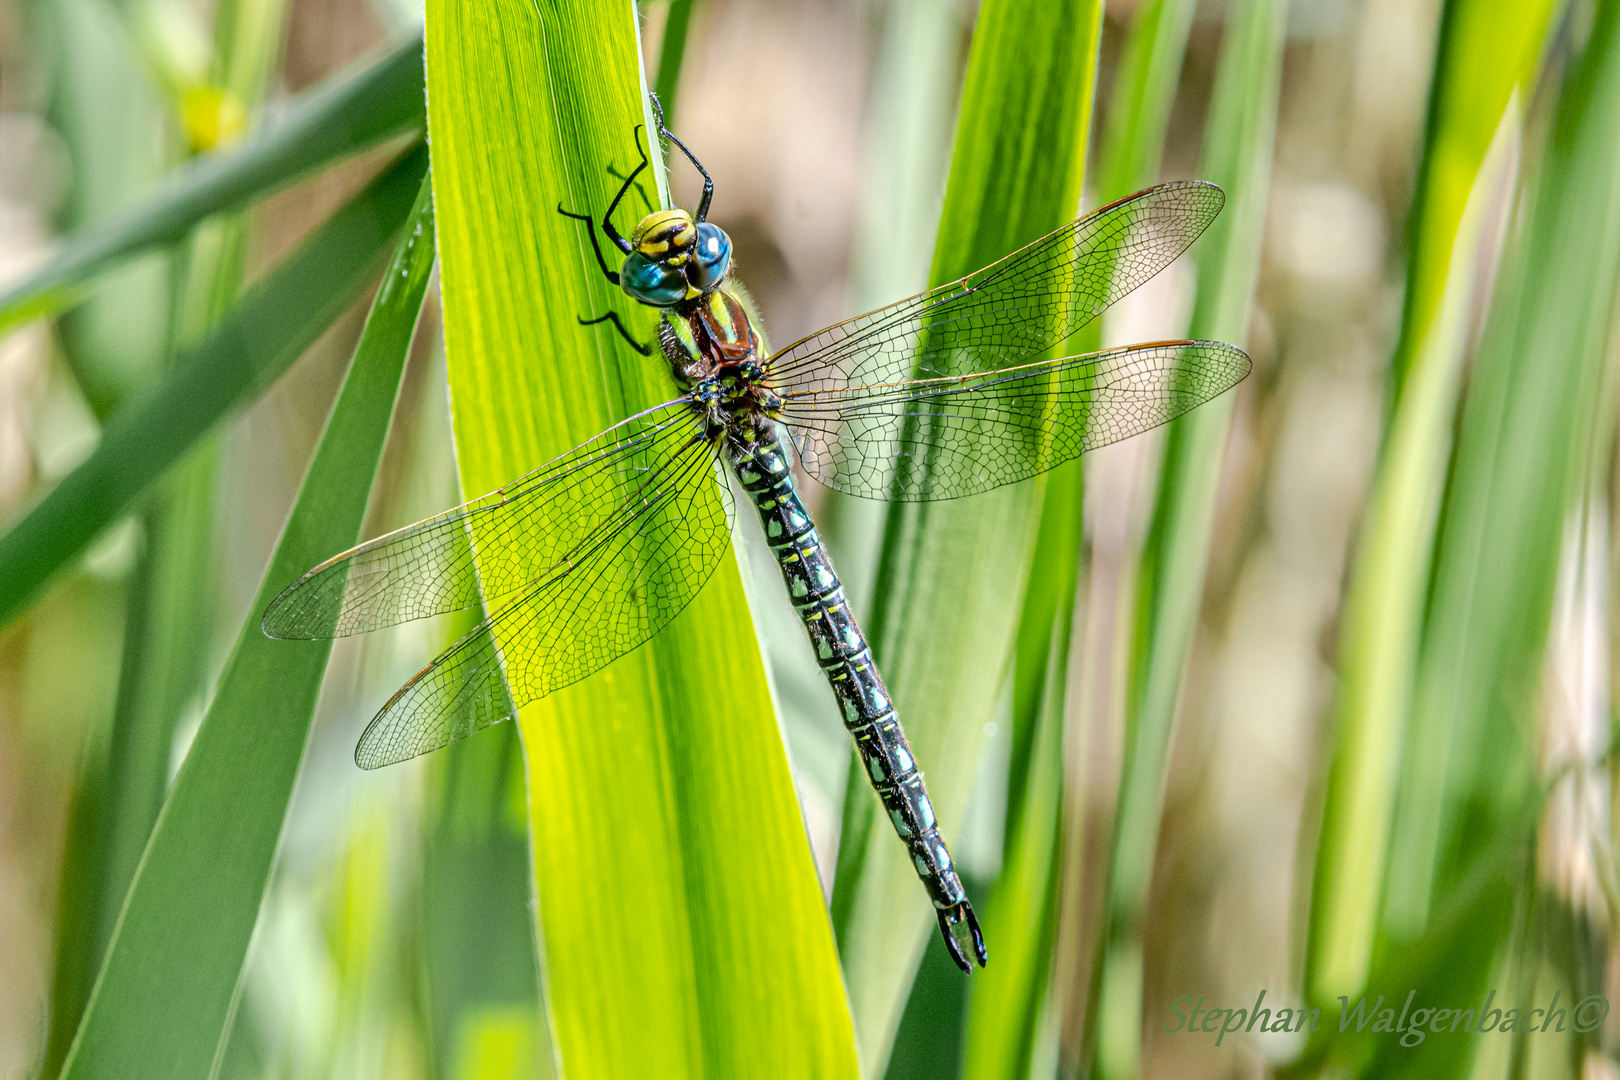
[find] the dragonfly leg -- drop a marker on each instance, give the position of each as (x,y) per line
(617,175)
(959,915)
(708,182)
(590,222)
(613,317)
(607,219)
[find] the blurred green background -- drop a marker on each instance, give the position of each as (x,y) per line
(1308,692)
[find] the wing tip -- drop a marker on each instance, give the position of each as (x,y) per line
(1242,362)
(283,620)
(371,752)
(1191,184)
(279,621)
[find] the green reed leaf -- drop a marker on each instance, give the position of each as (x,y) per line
(1008,1033)
(1144,91)
(680,919)
(171,600)
(342,116)
(1489,55)
(950,578)
(161,1004)
(269,328)
(1238,139)
(1515,521)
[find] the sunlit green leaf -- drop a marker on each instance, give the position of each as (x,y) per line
(1489,55)
(1015,175)
(1525,463)
(680,919)
(165,992)
(268,329)
(336,119)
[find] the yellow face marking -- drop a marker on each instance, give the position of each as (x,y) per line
(664,236)
(660,220)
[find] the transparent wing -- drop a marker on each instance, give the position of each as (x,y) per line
(1014,309)
(526,532)
(943,438)
(641,568)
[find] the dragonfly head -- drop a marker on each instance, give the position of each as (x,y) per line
(674,258)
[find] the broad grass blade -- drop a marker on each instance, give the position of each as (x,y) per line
(1238,139)
(268,329)
(161,1004)
(680,919)
(950,576)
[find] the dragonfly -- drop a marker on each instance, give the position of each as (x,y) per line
(946,394)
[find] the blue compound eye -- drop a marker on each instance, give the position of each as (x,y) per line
(651,283)
(711,257)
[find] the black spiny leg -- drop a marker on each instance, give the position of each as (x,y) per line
(640,189)
(708,182)
(618,241)
(613,317)
(590,222)
(607,219)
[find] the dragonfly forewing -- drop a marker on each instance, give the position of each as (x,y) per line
(1013,310)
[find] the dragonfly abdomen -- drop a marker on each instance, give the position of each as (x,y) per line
(846,660)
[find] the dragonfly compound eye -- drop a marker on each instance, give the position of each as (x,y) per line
(652,282)
(711,257)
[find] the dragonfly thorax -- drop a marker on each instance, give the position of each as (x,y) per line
(716,331)
(738,401)
(674,259)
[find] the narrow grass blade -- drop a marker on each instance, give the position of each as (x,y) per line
(911,113)
(1489,54)
(1009,1005)
(480,964)
(1006,1033)
(677,23)
(101,103)
(1524,463)
(269,328)
(1460,953)
(105,109)
(1238,140)
(338,118)
(1520,463)
(119,798)
(680,918)
(908,146)
(171,604)
(950,578)
(165,992)
(1144,90)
